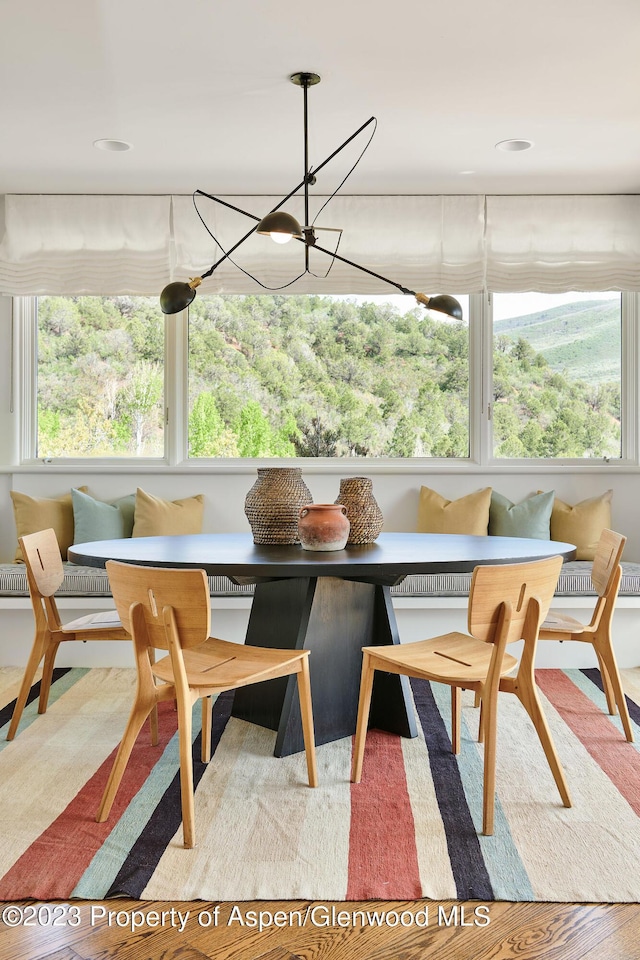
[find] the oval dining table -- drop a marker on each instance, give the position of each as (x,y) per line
(331,603)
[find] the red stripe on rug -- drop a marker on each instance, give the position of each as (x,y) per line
(52,865)
(383,861)
(593,728)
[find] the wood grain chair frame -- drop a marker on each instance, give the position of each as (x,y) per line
(169,609)
(507,602)
(45,574)
(605,577)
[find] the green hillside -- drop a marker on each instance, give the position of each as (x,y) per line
(580,339)
(307,376)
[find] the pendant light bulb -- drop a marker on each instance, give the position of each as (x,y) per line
(280,226)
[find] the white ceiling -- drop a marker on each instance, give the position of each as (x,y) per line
(200,88)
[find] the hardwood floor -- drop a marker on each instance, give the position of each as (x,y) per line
(416,930)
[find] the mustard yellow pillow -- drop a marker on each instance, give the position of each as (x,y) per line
(469,514)
(33,514)
(155,517)
(582,523)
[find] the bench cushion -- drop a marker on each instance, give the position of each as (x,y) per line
(79,581)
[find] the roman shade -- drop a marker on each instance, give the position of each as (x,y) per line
(85,244)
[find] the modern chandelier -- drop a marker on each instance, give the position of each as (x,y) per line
(283,227)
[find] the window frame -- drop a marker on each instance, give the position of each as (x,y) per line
(629,372)
(480,459)
(25,311)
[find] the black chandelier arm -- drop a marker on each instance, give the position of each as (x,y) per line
(372,273)
(299,186)
(343,145)
(231,206)
(443,303)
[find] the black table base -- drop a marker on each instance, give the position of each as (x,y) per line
(334,619)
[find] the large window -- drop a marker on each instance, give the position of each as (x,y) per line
(100,377)
(309,376)
(523,378)
(557,375)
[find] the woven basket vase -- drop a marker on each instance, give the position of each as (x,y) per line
(363,512)
(273,504)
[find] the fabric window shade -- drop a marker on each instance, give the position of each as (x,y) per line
(429,244)
(85,244)
(556,243)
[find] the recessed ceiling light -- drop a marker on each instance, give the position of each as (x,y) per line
(466,173)
(514,146)
(113,146)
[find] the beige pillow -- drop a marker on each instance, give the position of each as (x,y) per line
(39,513)
(154,517)
(469,514)
(582,523)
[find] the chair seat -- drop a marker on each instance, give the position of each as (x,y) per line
(454,657)
(106,620)
(559,623)
(226,665)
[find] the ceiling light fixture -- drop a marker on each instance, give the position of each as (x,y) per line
(282,227)
(514,146)
(113,146)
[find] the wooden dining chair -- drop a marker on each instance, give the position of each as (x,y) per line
(506,603)
(45,574)
(169,609)
(605,577)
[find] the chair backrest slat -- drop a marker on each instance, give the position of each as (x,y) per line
(41,554)
(606,560)
(515,584)
(186,591)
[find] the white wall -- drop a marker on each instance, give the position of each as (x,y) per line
(396,493)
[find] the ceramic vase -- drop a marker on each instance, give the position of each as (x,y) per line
(323,526)
(365,516)
(272,505)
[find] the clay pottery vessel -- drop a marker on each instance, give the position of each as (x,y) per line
(272,506)
(365,516)
(323,526)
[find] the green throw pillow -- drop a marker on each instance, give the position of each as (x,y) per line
(531,518)
(97,520)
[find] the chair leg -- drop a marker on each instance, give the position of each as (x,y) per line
(478,702)
(527,693)
(137,717)
(306,714)
(456,719)
(364,705)
(489,707)
(205,751)
(47,675)
(607,658)
(606,684)
(153,726)
(36,655)
(186,771)
(153,716)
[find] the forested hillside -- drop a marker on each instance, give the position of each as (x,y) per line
(580,339)
(300,376)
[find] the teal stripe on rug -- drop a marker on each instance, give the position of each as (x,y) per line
(103,869)
(508,875)
(30,712)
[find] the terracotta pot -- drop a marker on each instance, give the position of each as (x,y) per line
(272,506)
(323,526)
(365,516)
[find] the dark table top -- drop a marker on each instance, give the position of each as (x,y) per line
(391,557)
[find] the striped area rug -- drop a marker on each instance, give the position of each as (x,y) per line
(409,830)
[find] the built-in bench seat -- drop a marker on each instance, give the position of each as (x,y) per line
(80,581)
